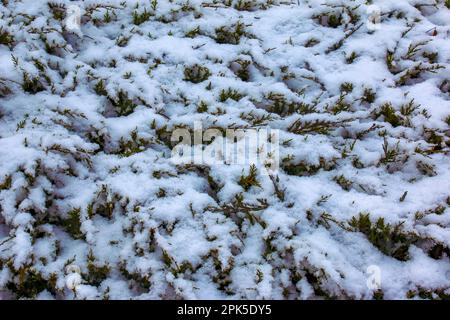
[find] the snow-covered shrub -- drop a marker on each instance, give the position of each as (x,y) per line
(92,207)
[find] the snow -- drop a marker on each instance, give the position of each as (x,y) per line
(86,184)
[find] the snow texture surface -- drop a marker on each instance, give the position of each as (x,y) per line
(91,207)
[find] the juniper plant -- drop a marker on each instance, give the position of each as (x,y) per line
(391,240)
(196,73)
(250,180)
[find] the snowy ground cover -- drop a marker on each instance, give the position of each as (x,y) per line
(92,207)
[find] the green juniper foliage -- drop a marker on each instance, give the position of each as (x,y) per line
(28,283)
(6,183)
(303,168)
(230,94)
(132,145)
(243,69)
(73,223)
(193,33)
(369,95)
(428,294)
(154,4)
(202,107)
(100,88)
(343,182)
(352,57)
(122,104)
(230,35)
(316,126)
(250,180)
(6,38)
(391,240)
(389,114)
(278,104)
(140,18)
(96,272)
(196,73)
(31,85)
(58,10)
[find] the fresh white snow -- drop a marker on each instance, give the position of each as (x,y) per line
(92,207)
